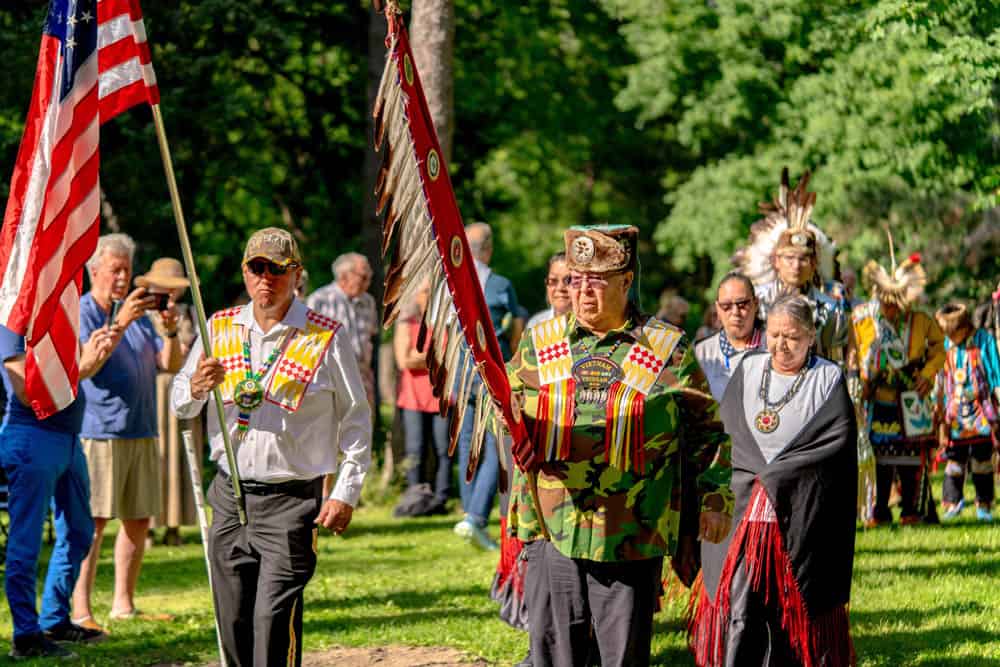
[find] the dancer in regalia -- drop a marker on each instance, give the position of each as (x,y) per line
(965,394)
(788,254)
(894,354)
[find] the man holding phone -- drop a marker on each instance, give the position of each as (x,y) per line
(120,428)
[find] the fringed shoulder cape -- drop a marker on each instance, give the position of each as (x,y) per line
(805,558)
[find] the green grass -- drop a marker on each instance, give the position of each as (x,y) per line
(922,596)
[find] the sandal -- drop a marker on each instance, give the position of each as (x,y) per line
(138,615)
(89,623)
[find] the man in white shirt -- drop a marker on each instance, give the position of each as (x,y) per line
(293,398)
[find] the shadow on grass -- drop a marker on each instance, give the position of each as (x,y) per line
(904,645)
(987,567)
(400,527)
(410,599)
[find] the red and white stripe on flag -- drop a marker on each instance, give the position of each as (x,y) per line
(94,63)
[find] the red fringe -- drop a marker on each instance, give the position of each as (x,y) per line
(823,641)
(569,411)
(638,414)
(542,418)
(510,552)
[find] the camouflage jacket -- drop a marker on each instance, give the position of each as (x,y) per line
(597,512)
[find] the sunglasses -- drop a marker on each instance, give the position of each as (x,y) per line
(258,266)
(581,281)
(565,281)
(742,304)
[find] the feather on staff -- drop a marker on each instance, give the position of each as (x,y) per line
(424,240)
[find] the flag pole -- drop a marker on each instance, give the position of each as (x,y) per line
(199,306)
(199,503)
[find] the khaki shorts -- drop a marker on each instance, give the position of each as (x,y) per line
(124,477)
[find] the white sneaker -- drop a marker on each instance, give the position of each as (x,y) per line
(475,535)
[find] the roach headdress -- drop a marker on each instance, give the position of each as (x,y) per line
(786,224)
(901,285)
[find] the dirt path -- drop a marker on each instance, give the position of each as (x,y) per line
(386,656)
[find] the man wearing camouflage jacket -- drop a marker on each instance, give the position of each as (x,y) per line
(618,407)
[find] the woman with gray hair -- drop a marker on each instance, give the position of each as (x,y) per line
(775,591)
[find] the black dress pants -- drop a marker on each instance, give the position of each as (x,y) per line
(568,596)
(260,570)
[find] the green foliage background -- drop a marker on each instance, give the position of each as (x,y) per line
(675,116)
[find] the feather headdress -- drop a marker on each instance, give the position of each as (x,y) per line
(902,285)
(424,241)
(786,223)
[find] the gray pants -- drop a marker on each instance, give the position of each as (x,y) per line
(260,570)
(566,597)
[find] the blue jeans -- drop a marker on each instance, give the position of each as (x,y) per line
(43,468)
(421,428)
(477,496)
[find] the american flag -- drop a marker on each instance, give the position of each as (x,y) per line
(93,65)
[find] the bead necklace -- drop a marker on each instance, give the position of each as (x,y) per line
(767,419)
(248,393)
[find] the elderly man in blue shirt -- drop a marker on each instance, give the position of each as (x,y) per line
(120,428)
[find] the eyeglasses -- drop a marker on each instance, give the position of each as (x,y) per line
(565,281)
(583,280)
(741,305)
(258,266)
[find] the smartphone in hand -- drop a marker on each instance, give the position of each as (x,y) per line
(116,305)
(162,299)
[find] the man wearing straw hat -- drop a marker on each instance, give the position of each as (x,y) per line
(177,506)
(294,399)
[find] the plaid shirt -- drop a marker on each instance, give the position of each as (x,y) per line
(359,316)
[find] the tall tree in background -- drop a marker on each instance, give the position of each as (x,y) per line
(432,36)
(893,104)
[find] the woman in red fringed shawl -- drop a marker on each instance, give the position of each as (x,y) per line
(776,591)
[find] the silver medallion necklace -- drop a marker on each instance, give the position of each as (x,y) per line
(767,419)
(595,373)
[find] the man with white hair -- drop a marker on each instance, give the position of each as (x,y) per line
(120,427)
(347,301)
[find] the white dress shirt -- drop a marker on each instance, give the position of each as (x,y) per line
(301,445)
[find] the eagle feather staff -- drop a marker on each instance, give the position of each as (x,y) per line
(424,240)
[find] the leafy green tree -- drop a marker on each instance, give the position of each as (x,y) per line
(892,103)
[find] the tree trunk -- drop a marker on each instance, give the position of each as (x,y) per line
(432,36)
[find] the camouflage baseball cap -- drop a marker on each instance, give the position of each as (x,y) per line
(273,244)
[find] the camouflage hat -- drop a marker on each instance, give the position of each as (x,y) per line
(273,244)
(601,248)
